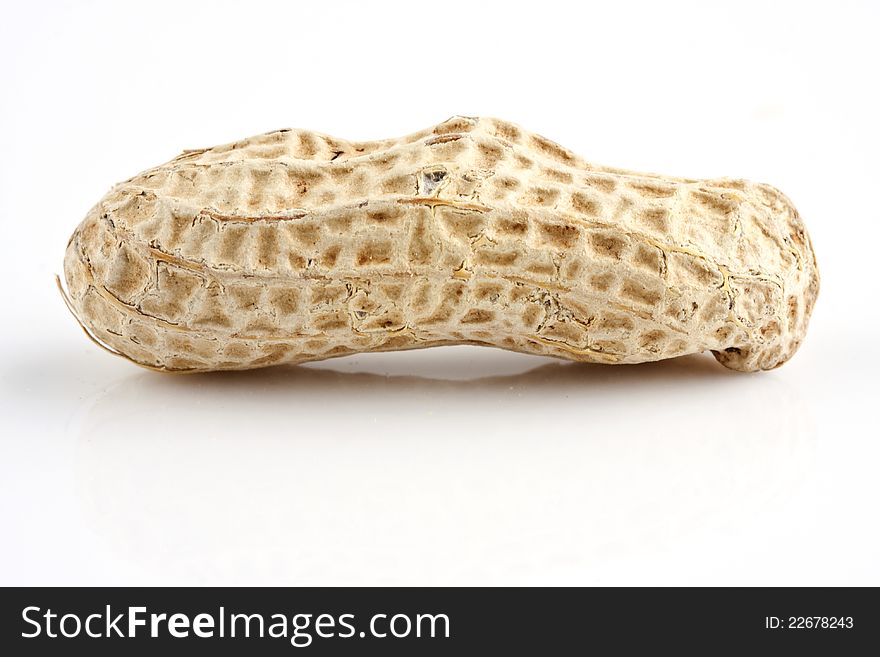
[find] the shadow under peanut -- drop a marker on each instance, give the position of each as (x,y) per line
(318,475)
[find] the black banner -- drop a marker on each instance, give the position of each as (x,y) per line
(436,621)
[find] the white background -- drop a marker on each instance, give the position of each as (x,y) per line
(455,465)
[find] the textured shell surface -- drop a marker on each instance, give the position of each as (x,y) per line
(295,246)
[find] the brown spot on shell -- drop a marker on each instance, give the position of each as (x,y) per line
(284,300)
(329,256)
(305,233)
(421,249)
(613,322)
(400,184)
(455,124)
(602,183)
(639,293)
(560,235)
(715,202)
(557,175)
(655,219)
(477,316)
(602,282)
(496,258)
(489,153)
(375,252)
(267,248)
(653,189)
(607,244)
(516,227)
(652,340)
(585,205)
(540,196)
(391,215)
(332,321)
(553,150)
(507,131)
(232,240)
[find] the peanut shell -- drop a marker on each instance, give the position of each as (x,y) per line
(295,246)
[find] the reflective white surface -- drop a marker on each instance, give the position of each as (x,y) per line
(457,465)
(486,467)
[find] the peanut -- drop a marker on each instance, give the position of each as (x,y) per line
(295,246)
